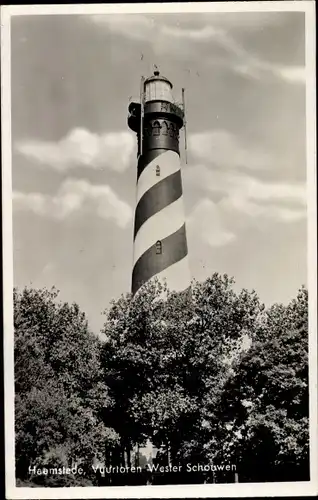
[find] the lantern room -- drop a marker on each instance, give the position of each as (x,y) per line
(158,87)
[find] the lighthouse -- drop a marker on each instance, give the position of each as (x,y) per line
(159,238)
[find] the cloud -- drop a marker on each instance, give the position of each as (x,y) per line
(257,69)
(140,28)
(82,148)
(293,74)
(241,204)
(164,34)
(73,196)
(145,26)
(203,34)
(135,26)
(206,220)
(224,150)
(240,60)
(49,268)
(247,21)
(241,193)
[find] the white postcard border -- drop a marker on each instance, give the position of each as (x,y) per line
(169,491)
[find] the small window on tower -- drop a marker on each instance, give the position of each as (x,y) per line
(156,128)
(158,247)
(164,128)
(157,171)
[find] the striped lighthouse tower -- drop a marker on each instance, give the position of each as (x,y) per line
(160,243)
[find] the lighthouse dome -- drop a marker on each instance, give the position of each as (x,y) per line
(158,87)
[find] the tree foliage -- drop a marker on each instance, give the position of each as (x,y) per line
(60,394)
(212,378)
(265,401)
(209,376)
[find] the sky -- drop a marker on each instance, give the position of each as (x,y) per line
(74,157)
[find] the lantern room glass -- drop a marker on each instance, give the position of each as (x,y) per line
(158,90)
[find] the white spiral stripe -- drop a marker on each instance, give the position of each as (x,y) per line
(165,222)
(177,276)
(169,163)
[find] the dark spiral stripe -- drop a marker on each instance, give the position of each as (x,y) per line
(144,160)
(158,197)
(174,249)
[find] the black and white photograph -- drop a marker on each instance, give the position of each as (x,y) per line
(159,243)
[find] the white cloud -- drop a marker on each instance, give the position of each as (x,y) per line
(203,34)
(206,221)
(136,26)
(143,26)
(139,27)
(293,74)
(241,60)
(246,63)
(241,193)
(49,268)
(269,191)
(221,149)
(82,148)
(76,195)
(221,30)
(250,21)
(241,204)
(224,150)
